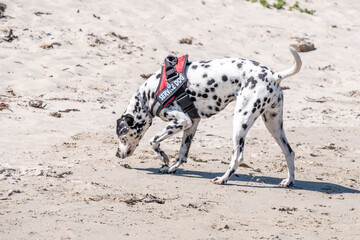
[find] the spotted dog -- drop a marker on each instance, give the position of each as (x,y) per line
(212,85)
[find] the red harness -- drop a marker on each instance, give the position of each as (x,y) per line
(172,87)
(179,66)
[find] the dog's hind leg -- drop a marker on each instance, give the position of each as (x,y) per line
(184,149)
(178,121)
(246,112)
(273,119)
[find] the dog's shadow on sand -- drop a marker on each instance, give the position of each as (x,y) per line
(264,181)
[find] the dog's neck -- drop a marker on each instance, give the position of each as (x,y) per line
(142,118)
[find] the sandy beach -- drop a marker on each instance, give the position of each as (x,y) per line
(68,70)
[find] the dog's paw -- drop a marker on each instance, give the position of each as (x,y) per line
(218,180)
(286,183)
(165,169)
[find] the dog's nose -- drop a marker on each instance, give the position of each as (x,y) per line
(117,154)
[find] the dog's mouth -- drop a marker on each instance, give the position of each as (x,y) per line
(122,155)
(128,151)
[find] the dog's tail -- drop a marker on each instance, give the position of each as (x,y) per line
(291,71)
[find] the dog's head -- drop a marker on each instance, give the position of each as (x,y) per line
(130,130)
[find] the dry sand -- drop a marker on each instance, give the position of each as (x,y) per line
(60,179)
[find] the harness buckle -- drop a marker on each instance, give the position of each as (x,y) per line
(171,74)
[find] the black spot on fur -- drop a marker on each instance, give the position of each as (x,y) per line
(231,172)
(193,99)
(205,61)
(207,90)
(205,75)
(204,95)
(262,76)
(144,96)
(188,139)
(217,109)
(210,107)
(288,146)
(265,120)
(211,82)
(224,78)
(245,113)
(207,65)
(216,85)
(239,65)
(273,115)
(214,97)
(232,61)
(253,110)
(194,66)
(241,142)
(244,126)
(218,104)
(251,81)
(158,76)
(262,110)
(212,89)
(255,63)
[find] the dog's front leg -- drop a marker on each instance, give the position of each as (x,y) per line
(178,121)
(185,146)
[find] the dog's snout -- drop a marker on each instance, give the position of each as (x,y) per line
(119,154)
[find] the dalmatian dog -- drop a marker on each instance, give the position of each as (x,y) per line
(212,85)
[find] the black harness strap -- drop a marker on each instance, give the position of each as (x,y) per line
(186,104)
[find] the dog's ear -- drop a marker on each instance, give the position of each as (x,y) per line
(122,127)
(123,124)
